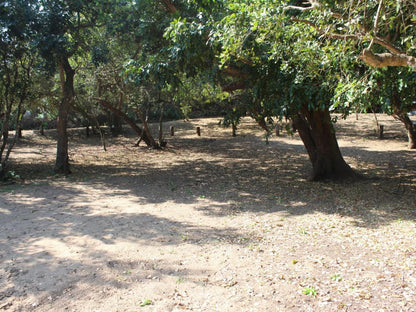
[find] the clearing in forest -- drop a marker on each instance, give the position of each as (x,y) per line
(211,223)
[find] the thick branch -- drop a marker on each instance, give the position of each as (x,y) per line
(387,59)
(388,45)
(311,5)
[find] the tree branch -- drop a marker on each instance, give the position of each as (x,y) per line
(387,59)
(325,33)
(396,58)
(388,45)
(312,5)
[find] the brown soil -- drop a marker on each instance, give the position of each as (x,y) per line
(211,223)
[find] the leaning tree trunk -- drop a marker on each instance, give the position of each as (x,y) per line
(411,133)
(67,86)
(410,127)
(318,135)
(404,118)
(144,135)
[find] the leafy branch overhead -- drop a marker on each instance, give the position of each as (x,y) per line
(375,25)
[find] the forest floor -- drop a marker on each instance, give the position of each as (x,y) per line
(211,223)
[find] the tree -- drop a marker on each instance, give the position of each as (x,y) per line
(62,34)
(16,65)
(385,31)
(283,66)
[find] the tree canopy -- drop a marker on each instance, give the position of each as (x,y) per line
(384,29)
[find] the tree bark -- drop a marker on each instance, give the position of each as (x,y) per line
(410,127)
(67,86)
(387,59)
(411,133)
(402,116)
(318,135)
(162,110)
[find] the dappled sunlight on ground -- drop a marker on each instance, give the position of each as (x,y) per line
(211,223)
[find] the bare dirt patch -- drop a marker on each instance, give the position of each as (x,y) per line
(211,223)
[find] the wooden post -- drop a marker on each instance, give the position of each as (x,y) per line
(198,131)
(172,131)
(380,131)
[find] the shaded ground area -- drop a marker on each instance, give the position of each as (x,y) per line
(212,223)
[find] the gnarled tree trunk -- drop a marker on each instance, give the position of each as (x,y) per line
(67,86)
(318,135)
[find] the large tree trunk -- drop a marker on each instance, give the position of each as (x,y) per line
(318,135)
(67,86)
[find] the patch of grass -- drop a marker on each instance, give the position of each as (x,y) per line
(146,302)
(180,280)
(310,291)
(253,247)
(184,237)
(336,277)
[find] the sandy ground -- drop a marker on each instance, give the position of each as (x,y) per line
(212,223)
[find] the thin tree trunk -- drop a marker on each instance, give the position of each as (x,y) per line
(115,120)
(4,135)
(318,135)
(146,130)
(162,110)
(67,86)
(4,161)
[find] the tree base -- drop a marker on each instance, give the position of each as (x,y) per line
(344,175)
